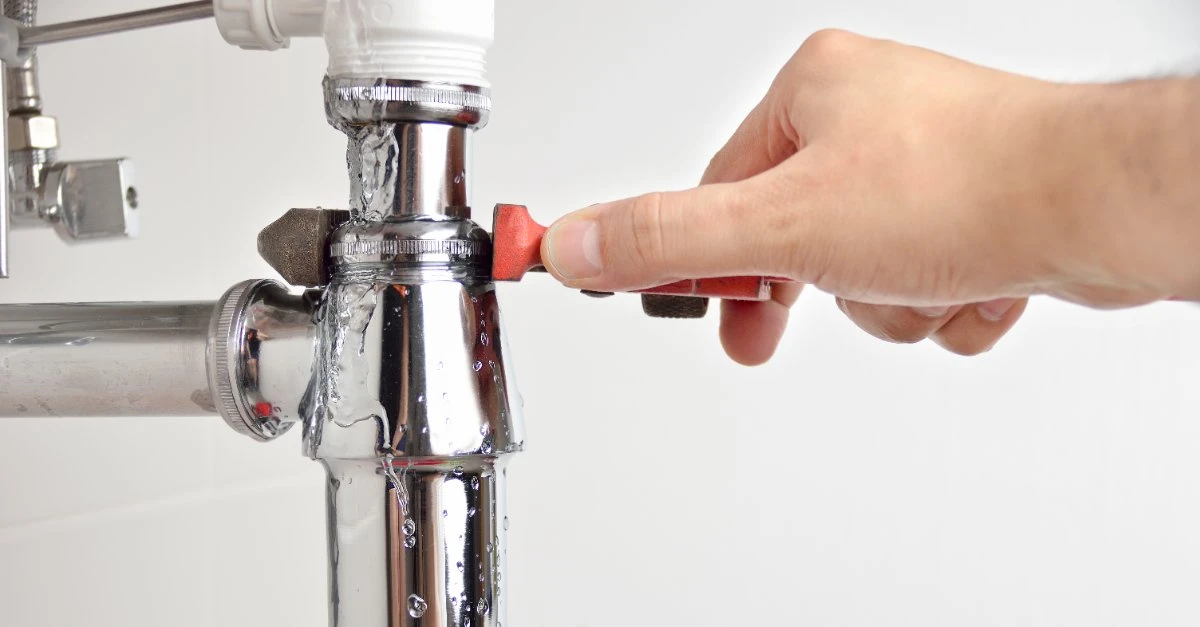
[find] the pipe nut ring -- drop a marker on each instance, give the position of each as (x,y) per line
(231,357)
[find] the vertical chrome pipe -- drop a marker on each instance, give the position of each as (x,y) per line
(426,548)
(23,93)
(24,12)
(412,410)
(104,359)
(4,200)
(415,415)
(409,168)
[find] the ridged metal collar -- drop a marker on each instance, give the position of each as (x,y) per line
(429,247)
(355,101)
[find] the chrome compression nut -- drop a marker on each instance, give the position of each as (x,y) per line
(32,132)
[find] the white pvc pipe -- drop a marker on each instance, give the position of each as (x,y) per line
(443,41)
(426,40)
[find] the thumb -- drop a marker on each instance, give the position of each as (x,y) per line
(712,230)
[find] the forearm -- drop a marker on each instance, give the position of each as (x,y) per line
(1130,177)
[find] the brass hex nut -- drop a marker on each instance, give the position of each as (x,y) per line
(32,132)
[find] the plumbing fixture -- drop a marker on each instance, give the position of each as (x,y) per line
(83,200)
(393,364)
(392,361)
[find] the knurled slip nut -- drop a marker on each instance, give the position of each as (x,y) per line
(355,101)
(32,132)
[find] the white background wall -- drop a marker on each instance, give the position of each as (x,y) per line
(1054,481)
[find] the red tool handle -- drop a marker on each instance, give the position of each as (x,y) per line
(516,249)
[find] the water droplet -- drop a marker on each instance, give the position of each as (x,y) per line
(409,527)
(416,606)
(458,471)
(421,398)
(410,542)
(474,483)
(506,522)
(445,513)
(482,606)
(467,622)
(491,364)
(474,299)
(349,480)
(483,339)
(488,445)
(459,565)
(440,365)
(471,512)
(490,548)
(445,396)
(425,429)
(478,366)
(483,429)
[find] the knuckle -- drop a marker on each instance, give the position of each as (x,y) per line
(889,324)
(827,45)
(645,226)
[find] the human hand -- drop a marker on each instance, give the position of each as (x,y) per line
(929,195)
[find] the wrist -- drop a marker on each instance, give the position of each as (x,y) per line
(1120,179)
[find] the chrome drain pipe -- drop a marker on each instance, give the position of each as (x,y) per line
(246,356)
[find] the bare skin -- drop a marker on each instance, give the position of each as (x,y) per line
(931,196)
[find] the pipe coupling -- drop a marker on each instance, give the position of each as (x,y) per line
(358,101)
(259,354)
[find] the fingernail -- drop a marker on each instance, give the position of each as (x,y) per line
(994,310)
(573,248)
(932,312)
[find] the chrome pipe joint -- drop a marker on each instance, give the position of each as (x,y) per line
(247,356)
(412,408)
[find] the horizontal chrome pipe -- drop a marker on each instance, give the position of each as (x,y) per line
(247,356)
(104,359)
(33,36)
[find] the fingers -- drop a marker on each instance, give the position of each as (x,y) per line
(900,325)
(964,330)
(751,330)
(976,329)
